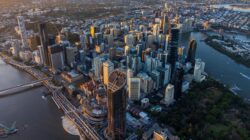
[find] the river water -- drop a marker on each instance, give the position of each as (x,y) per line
(231,7)
(220,66)
(36,118)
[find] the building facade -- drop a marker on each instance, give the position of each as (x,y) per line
(116,106)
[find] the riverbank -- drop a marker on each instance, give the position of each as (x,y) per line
(209,110)
(37,118)
(65,125)
(239,59)
(70,127)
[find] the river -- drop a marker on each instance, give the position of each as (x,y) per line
(220,66)
(36,118)
(231,7)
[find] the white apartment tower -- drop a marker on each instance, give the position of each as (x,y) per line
(23,32)
(169,94)
(198,70)
(134,85)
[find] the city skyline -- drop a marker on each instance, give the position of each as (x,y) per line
(116,70)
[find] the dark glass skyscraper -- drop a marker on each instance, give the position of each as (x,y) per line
(117,106)
(191,52)
(173,48)
(44,43)
(178,80)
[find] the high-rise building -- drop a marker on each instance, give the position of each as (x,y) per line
(167,43)
(148,63)
(40,50)
(187,26)
(178,80)
(156,29)
(149,40)
(129,40)
(165,24)
(117,106)
(163,58)
(177,19)
(112,53)
(70,55)
(156,63)
(126,50)
(164,75)
(191,52)
(139,48)
(15,48)
(97,66)
(56,57)
(173,48)
(169,94)
(23,32)
(166,7)
(156,78)
(33,42)
(180,54)
(44,43)
(82,56)
(134,85)
(92,31)
(133,61)
(146,83)
(110,40)
(198,70)
(108,67)
(130,74)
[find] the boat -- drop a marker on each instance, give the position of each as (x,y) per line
(5,131)
(244,75)
(235,87)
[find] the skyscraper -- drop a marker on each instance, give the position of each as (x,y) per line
(133,61)
(23,32)
(98,66)
(156,78)
(129,40)
(169,94)
(92,31)
(165,24)
(178,80)
(156,29)
(164,75)
(112,53)
(198,70)
(44,43)
(70,55)
(56,57)
(191,52)
(167,43)
(134,86)
(116,106)
(173,48)
(108,67)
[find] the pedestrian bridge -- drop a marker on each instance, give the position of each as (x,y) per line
(22,87)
